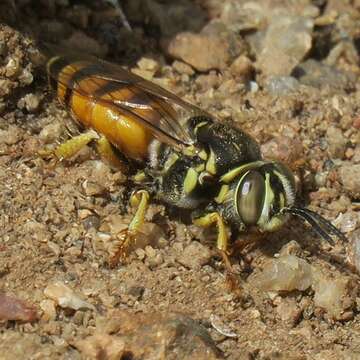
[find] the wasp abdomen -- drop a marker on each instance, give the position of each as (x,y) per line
(89,100)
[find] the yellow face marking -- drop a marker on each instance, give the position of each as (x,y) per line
(289,195)
(282,200)
(211,164)
(269,198)
(275,223)
(190,180)
(222,194)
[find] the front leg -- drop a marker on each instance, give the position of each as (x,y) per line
(215,218)
(222,245)
(222,237)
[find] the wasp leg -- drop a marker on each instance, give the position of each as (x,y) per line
(139,199)
(215,218)
(222,245)
(106,151)
(70,147)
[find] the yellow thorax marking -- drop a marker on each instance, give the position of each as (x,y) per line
(190,150)
(171,160)
(211,164)
(190,180)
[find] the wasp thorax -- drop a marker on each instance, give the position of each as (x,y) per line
(262,193)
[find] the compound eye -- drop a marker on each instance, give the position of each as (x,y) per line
(250,197)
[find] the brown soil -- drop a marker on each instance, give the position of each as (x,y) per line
(58,221)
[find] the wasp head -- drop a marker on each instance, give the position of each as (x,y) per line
(265,196)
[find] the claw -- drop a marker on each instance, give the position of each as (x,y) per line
(121,248)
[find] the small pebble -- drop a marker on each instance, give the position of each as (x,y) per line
(215,53)
(10,136)
(350,178)
(12,68)
(49,309)
(51,132)
(148,64)
(281,85)
(30,102)
(348,221)
(354,254)
(12,308)
(194,256)
(183,68)
(288,310)
(336,142)
(66,297)
(287,41)
(333,296)
(287,273)
(92,188)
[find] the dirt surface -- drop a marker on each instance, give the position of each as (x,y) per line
(287,73)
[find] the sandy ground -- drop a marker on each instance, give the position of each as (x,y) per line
(298,96)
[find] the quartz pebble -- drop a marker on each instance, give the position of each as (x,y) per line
(49,309)
(30,102)
(281,85)
(66,297)
(287,41)
(348,221)
(332,295)
(286,273)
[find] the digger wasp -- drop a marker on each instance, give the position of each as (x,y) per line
(185,157)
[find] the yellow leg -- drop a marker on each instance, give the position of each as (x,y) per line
(70,147)
(222,240)
(107,152)
(222,244)
(215,218)
(139,199)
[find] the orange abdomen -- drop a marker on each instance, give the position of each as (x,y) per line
(121,128)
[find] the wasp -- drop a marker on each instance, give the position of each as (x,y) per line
(185,158)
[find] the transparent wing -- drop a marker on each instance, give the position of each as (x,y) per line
(154,107)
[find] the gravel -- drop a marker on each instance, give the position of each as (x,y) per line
(285,72)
